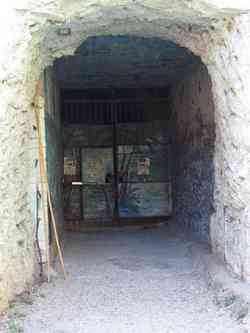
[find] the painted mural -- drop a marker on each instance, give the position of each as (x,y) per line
(97,165)
(144,188)
(98,201)
(145,200)
(143,158)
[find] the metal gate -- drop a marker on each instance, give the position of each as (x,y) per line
(116,162)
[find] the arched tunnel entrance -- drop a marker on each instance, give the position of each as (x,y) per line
(135,134)
(130,131)
(129,143)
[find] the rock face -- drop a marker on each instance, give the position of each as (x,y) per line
(34,38)
(123,61)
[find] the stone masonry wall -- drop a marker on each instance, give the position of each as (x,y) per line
(193,146)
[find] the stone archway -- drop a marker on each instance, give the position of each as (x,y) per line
(219,37)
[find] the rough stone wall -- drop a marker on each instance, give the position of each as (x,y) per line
(123,61)
(31,43)
(229,68)
(17,155)
(193,140)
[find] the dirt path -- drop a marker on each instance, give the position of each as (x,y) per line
(140,281)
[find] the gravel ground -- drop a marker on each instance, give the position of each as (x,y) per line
(144,281)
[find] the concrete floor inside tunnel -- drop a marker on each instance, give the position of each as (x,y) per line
(135,280)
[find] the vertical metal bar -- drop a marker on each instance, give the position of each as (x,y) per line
(115,163)
(81,186)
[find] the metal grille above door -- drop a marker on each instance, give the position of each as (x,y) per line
(109,111)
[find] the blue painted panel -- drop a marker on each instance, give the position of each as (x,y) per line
(145,200)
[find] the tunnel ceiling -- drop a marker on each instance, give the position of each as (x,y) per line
(124,61)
